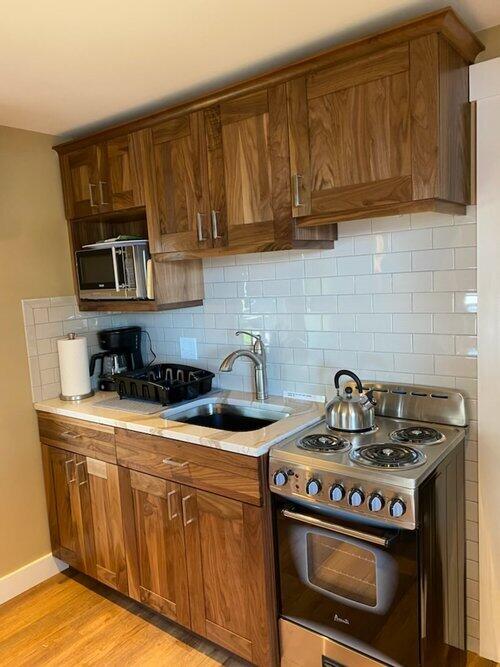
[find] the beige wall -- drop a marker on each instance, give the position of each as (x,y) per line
(491,39)
(34,262)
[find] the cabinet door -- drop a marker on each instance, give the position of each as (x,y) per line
(349,130)
(68,502)
(249,168)
(80,182)
(230,578)
(110,560)
(161,551)
(120,177)
(177,188)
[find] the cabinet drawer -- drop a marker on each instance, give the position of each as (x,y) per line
(80,437)
(227,474)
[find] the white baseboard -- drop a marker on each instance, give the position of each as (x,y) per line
(30,575)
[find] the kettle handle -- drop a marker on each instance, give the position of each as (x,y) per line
(352,375)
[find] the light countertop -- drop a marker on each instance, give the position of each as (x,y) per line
(251,443)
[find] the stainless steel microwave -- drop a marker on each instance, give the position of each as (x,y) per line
(116,270)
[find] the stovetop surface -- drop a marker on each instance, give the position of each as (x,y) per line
(340,462)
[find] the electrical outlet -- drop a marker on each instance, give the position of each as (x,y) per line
(189,348)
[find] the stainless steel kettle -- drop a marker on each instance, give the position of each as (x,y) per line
(348,411)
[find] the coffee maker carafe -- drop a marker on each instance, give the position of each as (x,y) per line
(122,352)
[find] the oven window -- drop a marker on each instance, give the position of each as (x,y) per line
(342,568)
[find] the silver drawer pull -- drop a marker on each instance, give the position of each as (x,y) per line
(69,479)
(215,223)
(297,185)
(91,196)
(171,514)
(335,528)
(185,501)
(175,464)
(81,466)
(101,193)
(71,434)
(199,225)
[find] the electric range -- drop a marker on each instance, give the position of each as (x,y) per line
(371,535)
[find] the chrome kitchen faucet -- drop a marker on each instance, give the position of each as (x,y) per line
(258,356)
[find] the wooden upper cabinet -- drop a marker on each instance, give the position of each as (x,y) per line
(101,178)
(121,176)
(80,176)
(161,552)
(176,184)
(370,135)
(248,168)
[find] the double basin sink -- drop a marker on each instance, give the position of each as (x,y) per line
(226,416)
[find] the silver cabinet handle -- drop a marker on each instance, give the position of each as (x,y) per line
(335,528)
(171,514)
(297,185)
(185,501)
(215,232)
(92,203)
(81,466)
(70,434)
(69,479)
(101,193)
(199,225)
(175,464)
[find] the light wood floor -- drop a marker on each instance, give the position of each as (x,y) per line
(71,620)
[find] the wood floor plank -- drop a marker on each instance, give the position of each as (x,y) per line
(72,620)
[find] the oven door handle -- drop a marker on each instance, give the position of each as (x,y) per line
(335,528)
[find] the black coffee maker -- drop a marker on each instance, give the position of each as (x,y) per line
(122,352)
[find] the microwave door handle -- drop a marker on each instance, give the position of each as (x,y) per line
(335,528)
(115,268)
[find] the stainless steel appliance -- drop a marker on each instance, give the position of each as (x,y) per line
(115,270)
(258,357)
(122,352)
(348,411)
(371,535)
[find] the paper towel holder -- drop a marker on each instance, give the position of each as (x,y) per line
(76,397)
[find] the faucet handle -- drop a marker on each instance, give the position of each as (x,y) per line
(249,333)
(258,345)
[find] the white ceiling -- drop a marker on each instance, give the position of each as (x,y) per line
(67,67)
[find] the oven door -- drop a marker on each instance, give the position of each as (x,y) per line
(352,582)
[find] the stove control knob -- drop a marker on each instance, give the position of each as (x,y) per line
(375,502)
(280,478)
(356,497)
(397,508)
(313,487)
(337,493)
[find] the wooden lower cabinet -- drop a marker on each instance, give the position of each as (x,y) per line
(161,551)
(231,581)
(85,517)
(199,558)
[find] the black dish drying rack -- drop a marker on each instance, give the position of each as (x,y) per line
(164,383)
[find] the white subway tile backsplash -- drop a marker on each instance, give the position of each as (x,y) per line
(359,303)
(354,266)
(460,280)
(432,260)
(454,237)
(357,341)
(415,239)
(343,285)
(373,284)
(375,323)
(433,302)
(465,258)
(395,262)
(412,282)
(454,323)
(433,343)
(412,323)
(392,303)
(393,342)
(372,243)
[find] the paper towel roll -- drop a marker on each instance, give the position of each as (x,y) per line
(74,368)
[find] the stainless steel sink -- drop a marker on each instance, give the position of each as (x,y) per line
(227,416)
